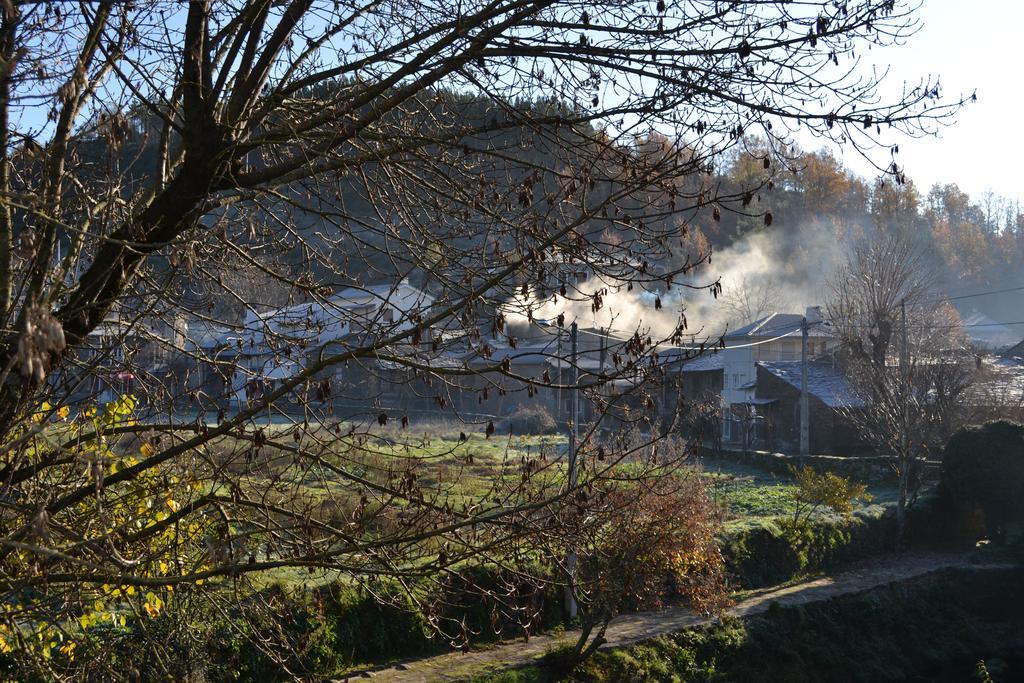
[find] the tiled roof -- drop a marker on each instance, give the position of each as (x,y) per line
(680,360)
(823,381)
(705,362)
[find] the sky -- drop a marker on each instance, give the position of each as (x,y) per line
(971,46)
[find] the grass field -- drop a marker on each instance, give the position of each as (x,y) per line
(747,492)
(463,468)
(453,466)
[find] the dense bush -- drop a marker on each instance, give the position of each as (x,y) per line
(335,628)
(487,605)
(338,627)
(984,467)
(304,641)
(530,419)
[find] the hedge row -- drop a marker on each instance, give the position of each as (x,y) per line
(351,627)
(933,629)
(777,551)
(337,628)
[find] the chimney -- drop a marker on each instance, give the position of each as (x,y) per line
(813,314)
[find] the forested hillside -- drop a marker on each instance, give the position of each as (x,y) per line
(793,219)
(977,244)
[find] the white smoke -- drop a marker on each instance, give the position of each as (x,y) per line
(603,303)
(768,271)
(776,272)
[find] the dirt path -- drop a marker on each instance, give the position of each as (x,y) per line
(631,628)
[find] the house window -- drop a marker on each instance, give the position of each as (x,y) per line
(388,315)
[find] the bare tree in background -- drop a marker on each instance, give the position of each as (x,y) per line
(911,394)
(173,174)
(749,299)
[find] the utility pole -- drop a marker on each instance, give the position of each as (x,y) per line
(558,354)
(904,456)
(903,371)
(805,432)
(570,599)
(558,357)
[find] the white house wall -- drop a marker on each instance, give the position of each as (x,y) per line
(738,370)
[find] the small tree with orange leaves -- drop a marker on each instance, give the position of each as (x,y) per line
(643,545)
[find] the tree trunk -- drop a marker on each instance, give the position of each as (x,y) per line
(901,504)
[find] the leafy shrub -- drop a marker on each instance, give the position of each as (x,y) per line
(762,555)
(303,642)
(984,467)
(530,419)
(816,490)
(642,545)
(373,628)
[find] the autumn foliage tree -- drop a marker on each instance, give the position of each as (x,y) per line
(173,172)
(643,546)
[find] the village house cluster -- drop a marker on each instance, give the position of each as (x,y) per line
(748,387)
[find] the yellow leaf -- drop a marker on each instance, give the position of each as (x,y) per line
(147,450)
(41,413)
(63,412)
(153,604)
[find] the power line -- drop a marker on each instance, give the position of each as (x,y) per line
(920,326)
(1016,322)
(706,347)
(948,327)
(714,348)
(974,295)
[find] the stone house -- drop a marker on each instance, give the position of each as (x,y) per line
(830,396)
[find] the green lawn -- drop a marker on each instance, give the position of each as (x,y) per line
(748,493)
(463,467)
